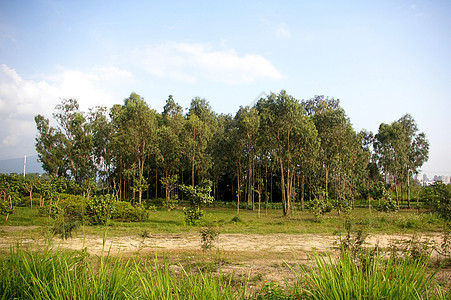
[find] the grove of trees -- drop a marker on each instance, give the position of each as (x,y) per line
(279,150)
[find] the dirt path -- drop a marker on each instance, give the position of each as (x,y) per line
(256,243)
(261,256)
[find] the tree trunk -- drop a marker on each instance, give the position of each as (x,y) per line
(238,192)
(282,179)
(249,179)
(408,189)
(302,192)
(192,169)
(31,199)
(327,183)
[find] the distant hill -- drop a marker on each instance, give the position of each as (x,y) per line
(15,165)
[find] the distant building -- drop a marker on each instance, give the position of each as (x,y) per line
(425,178)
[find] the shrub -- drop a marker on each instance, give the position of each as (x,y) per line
(197,196)
(126,212)
(387,206)
(319,206)
(101,208)
(438,199)
(208,237)
(68,213)
(192,215)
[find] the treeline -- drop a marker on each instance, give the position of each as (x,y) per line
(281,149)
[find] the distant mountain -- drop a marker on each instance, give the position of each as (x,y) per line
(15,165)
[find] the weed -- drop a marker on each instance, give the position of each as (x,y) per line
(145,234)
(208,237)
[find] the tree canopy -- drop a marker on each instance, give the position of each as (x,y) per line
(281,149)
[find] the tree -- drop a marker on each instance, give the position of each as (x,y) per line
(137,133)
(287,133)
(197,196)
(401,151)
(102,135)
(248,123)
(417,148)
(335,132)
(199,129)
(170,135)
(438,198)
(50,147)
(78,142)
(9,193)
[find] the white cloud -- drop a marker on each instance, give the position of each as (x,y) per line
(21,100)
(283,31)
(190,62)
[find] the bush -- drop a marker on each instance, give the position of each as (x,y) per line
(438,198)
(126,212)
(197,196)
(101,208)
(192,215)
(208,237)
(387,206)
(319,206)
(68,212)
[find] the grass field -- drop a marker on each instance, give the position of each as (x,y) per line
(256,269)
(299,222)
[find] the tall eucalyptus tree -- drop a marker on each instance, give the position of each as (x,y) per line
(287,132)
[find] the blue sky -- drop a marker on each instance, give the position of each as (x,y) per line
(382,59)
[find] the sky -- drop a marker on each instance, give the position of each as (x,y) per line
(382,59)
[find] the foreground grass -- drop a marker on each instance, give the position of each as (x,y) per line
(74,275)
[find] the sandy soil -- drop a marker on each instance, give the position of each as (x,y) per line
(269,255)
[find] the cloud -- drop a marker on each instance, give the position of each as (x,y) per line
(190,62)
(283,31)
(21,100)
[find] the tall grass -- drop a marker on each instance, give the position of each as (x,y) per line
(72,275)
(371,277)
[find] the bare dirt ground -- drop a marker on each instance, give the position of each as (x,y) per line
(267,256)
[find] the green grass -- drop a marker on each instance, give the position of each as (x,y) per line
(371,277)
(74,275)
(299,222)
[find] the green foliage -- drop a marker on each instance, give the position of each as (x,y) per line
(126,212)
(64,224)
(170,183)
(438,198)
(387,206)
(68,213)
(372,278)
(197,196)
(378,190)
(4,207)
(73,275)
(10,186)
(341,204)
(319,206)
(208,236)
(73,205)
(101,208)
(192,215)
(353,240)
